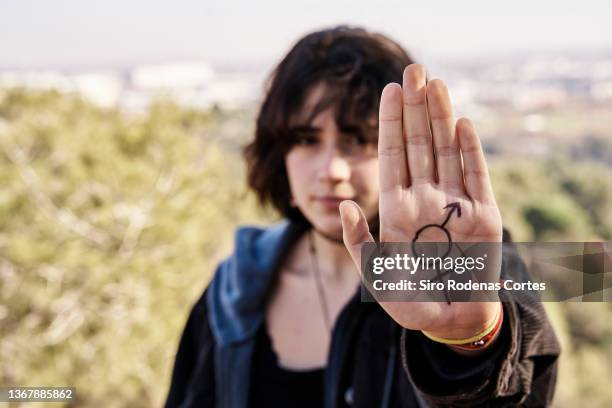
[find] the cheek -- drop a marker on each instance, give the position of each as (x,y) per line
(296,171)
(365,179)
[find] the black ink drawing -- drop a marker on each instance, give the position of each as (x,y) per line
(454,207)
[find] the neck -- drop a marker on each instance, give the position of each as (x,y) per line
(333,259)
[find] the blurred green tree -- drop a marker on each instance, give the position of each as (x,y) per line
(110,226)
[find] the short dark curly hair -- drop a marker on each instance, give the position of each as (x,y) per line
(353,64)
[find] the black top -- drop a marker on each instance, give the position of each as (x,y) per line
(274,386)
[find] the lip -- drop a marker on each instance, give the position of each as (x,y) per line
(331,201)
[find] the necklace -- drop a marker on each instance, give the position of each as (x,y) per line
(319,282)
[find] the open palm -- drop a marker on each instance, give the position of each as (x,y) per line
(430,165)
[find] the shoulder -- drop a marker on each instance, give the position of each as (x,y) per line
(259,247)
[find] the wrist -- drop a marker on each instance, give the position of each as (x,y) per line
(472,335)
(473,350)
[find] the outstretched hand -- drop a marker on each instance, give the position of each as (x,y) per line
(427,161)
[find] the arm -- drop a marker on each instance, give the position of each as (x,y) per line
(429,162)
(193,374)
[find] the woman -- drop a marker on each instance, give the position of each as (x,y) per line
(349,156)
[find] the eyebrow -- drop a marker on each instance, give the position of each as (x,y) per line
(305,128)
(316,129)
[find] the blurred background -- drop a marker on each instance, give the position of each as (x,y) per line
(121,180)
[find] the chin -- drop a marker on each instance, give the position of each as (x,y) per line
(330,226)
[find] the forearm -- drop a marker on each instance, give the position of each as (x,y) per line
(519,367)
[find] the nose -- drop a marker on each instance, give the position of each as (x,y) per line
(334,167)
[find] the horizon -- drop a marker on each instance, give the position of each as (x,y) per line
(265,63)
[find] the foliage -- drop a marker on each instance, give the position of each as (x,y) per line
(109,229)
(555,200)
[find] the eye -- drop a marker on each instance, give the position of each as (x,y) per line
(357,136)
(304,138)
(357,139)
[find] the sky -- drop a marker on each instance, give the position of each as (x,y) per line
(113,33)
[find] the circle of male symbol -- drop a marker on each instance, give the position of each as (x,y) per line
(453,207)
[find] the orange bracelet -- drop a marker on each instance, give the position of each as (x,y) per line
(486,340)
(478,341)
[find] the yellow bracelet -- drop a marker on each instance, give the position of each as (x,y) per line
(472,339)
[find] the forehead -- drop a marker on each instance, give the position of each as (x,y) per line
(321,103)
(311,106)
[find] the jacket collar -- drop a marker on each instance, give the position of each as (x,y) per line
(237,292)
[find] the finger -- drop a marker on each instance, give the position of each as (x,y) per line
(416,126)
(446,148)
(391,152)
(475,170)
(355,230)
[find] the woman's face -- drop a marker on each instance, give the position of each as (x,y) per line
(326,165)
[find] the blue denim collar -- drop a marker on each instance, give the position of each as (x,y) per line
(236,295)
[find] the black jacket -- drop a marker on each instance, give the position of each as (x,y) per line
(373,362)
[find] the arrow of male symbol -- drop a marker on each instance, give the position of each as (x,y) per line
(454,207)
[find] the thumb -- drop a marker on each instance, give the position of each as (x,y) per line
(355,230)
